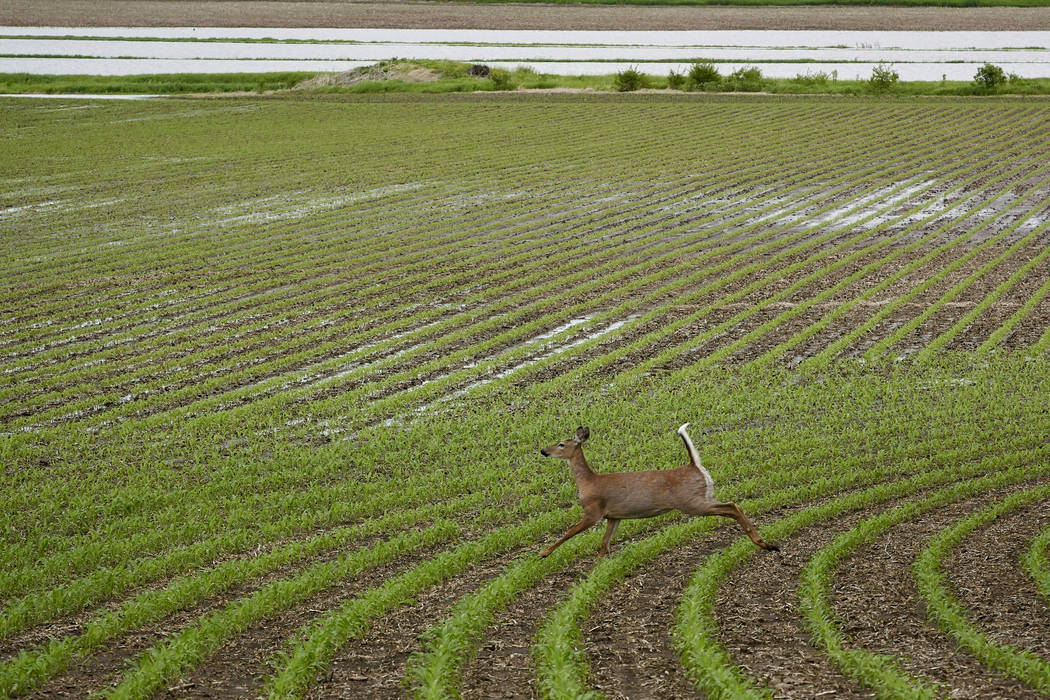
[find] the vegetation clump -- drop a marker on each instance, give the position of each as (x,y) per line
(629,80)
(883,78)
(989,77)
(744,79)
(704,76)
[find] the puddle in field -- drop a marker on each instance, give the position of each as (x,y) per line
(298,205)
(557,350)
(881,203)
(327,430)
(57,205)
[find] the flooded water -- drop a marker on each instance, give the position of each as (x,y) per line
(914,55)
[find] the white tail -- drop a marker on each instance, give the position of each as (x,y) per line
(694,457)
(622,495)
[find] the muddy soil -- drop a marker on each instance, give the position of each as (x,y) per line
(466,15)
(874,593)
(874,596)
(628,638)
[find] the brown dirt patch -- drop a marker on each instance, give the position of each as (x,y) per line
(628,638)
(465,15)
(987,578)
(874,593)
(404,73)
(757,614)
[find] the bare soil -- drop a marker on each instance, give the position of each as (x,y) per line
(466,15)
(882,612)
(874,596)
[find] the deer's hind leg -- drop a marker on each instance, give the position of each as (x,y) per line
(732,510)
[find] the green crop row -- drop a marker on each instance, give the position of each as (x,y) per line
(706,661)
(873,670)
(1035,562)
(1031,669)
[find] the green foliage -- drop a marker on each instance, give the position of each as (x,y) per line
(816,78)
(989,77)
(501,79)
(744,79)
(675,80)
(703,76)
(629,80)
(883,78)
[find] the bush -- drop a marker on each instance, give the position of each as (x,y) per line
(883,78)
(629,80)
(746,79)
(703,76)
(675,81)
(989,77)
(501,79)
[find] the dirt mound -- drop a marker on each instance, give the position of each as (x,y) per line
(404,72)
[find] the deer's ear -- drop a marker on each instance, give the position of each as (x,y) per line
(582,434)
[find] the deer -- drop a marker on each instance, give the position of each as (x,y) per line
(621,495)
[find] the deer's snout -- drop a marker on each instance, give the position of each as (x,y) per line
(544,452)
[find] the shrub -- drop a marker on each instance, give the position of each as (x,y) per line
(883,78)
(746,79)
(629,80)
(703,76)
(675,81)
(501,79)
(989,77)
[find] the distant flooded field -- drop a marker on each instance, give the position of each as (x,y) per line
(919,55)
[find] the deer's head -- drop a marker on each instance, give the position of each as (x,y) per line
(566,449)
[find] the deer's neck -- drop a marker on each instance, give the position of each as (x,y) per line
(581,472)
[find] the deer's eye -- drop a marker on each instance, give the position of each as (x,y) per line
(561,444)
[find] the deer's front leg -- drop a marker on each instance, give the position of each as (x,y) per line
(589,518)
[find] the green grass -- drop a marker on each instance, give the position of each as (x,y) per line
(453,78)
(161,84)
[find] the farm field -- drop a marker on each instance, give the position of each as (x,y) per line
(276,374)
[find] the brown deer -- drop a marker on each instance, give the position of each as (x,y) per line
(621,495)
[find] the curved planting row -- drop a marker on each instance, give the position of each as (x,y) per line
(270,407)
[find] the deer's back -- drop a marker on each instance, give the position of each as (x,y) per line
(648,493)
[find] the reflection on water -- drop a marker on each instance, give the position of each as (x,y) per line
(914,55)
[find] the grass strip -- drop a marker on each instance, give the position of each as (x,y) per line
(950,616)
(1037,564)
